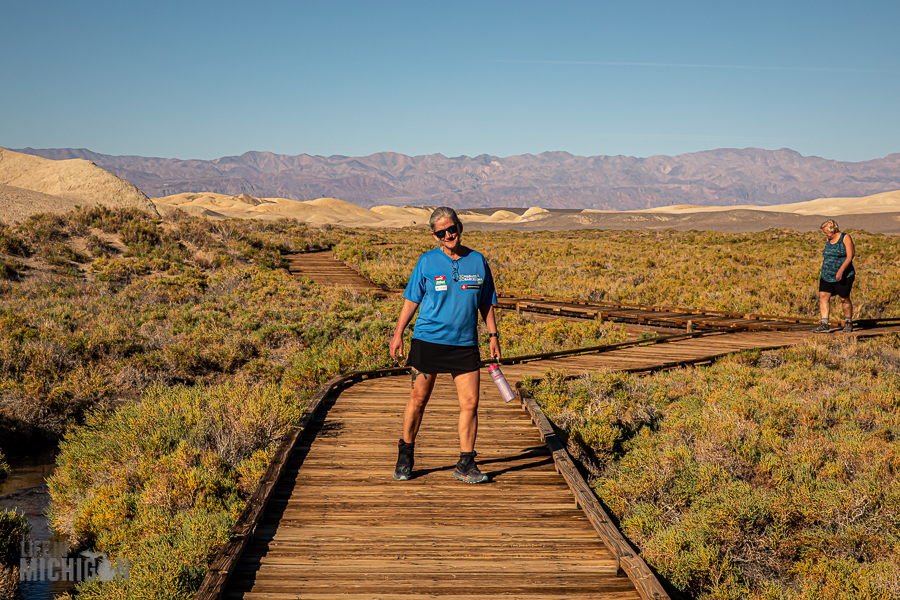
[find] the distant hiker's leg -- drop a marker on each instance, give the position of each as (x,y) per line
(824,305)
(848,308)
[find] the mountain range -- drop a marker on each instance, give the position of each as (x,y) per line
(724,177)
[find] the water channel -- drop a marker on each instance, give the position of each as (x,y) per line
(25,490)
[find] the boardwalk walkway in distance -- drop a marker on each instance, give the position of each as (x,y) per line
(322,268)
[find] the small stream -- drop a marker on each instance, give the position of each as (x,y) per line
(26,491)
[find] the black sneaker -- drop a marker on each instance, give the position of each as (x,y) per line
(467,471)
(848,327)
(822,328)
(405,461)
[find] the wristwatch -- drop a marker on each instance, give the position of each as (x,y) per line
(496,335)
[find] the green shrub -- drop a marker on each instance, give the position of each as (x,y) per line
(765,475)
(13,529)
(161,482)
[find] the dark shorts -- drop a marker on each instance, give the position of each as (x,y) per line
(837,288)
(428,357)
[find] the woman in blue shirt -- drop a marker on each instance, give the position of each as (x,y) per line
(450,286)
(837,275)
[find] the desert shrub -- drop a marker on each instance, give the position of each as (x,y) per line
(11,243)
(119,270)
(58,254)
(99,247)
(13,530)
(765,475)
(43,228)
(160,482)
(772,272)
(170,562)
(4,466)
(141,233)
(522,335)
(10,268)
(109,220)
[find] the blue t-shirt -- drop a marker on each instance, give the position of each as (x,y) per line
(449,293)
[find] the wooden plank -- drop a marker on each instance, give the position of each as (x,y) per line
(629,560)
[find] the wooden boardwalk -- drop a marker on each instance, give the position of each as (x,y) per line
(324,269)
(339,526)
(336,524)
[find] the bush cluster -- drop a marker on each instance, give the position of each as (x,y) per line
(160,482)
(766,475)
(116,246)
(773,272)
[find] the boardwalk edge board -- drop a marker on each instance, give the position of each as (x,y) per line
(628,559)
(223,564)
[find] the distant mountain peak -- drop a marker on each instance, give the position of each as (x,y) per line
(551,179)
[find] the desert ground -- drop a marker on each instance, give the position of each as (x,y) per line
(31,185)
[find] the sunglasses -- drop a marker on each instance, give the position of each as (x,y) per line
(452,230)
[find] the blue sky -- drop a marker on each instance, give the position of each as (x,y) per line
(211,79)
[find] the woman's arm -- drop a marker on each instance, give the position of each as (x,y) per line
(406,315)
(487,313)
(851,252)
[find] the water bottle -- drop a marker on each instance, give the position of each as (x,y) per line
(500,381)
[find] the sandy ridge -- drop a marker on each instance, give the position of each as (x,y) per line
(31,185)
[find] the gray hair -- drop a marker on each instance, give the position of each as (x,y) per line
(442,212)
(830,227)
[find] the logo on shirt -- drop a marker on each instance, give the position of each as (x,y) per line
(470,286)
(476,278)
(440,283)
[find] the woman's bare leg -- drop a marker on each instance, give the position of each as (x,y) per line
(467,387)
(824,305)
(848,308)
(422,386)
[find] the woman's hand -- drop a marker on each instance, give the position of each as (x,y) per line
(397,346)
(406,315)
(495,348)
(840,274)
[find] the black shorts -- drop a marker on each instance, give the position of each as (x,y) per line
(837,288)
(428,357)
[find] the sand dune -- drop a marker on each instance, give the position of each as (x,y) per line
(316,212)
(325,210)
(534,212)
(878,213)
(32,185)
(877,203)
